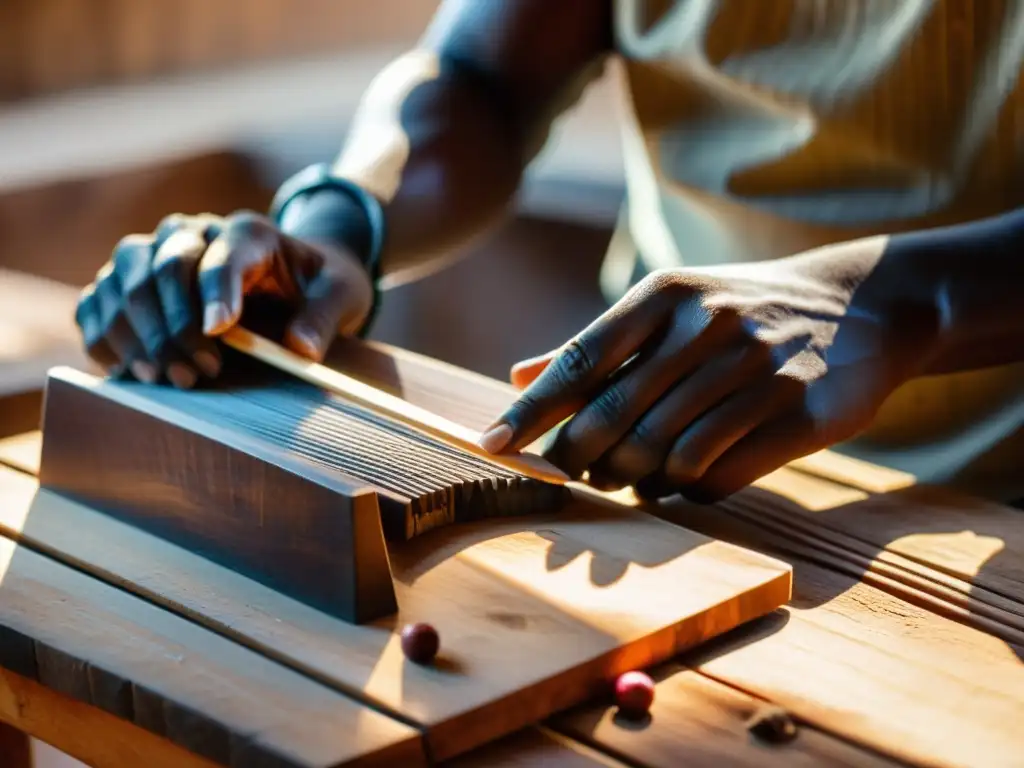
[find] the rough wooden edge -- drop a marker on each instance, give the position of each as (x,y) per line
(83,732)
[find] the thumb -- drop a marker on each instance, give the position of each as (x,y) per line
(525,371)
(325,307)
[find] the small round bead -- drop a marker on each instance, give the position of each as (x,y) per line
(634,693)
(420,642)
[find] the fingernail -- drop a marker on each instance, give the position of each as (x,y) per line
(208,363)
(181,375)
(216,317)
(144,372)
(496,438)
(305,342)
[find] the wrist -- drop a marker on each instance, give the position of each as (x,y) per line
(969,277)
(319,207)
(331,218)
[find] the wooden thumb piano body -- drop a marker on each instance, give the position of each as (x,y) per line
(333,492)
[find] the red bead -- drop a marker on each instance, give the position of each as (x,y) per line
(634,693)
(420,642)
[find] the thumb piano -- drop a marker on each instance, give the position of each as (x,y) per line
(314,519)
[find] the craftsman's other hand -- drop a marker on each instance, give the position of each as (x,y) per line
(699,381)
(156,305)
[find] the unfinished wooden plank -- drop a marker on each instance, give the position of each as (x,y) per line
(535,747)
(858,662)
(84,732)
(951,553)
(534,615)
(102,646)
(698,721)
(975,540)
(918,584)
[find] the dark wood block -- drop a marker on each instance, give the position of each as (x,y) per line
(155,458)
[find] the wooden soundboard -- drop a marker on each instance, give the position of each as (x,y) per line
(536,611)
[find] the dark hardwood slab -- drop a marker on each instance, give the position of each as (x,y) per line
(241,502)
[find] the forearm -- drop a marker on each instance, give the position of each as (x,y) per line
(973,275)
(444,133)
(435,147)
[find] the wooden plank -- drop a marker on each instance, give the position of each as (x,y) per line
(974,540)
(956,555)
(102,646)
(860,663)
(953,554)
(535,747)
(700,722)
(534,615)
(84,732)
(15,747)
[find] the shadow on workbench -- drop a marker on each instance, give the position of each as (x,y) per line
(956,556)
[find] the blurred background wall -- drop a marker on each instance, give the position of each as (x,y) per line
(114,113)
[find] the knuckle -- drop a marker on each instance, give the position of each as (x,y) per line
(610,406)
(249,225)
(526,403)
(645,436)
(574,364)
(177,253)
(108,284)
(663,280)
(170,264)
(171,223)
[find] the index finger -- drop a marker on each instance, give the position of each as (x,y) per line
(576,373)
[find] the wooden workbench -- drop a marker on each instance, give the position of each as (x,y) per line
(904,641)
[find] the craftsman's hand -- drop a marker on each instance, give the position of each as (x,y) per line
(155,306)
(700,381)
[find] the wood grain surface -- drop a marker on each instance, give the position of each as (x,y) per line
(100,645)
(85,732)
(864,664)
(870,662)
(860,661)
(534,615)
(697,721)
(248,504)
